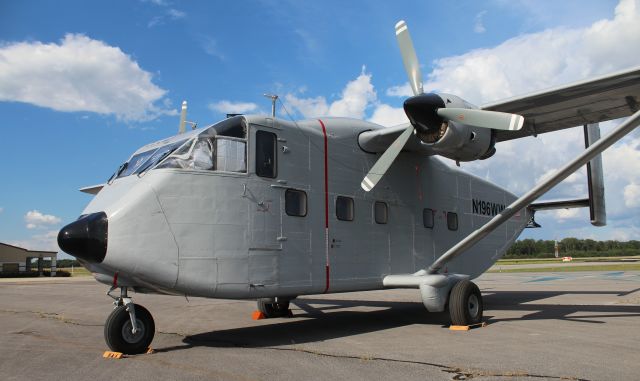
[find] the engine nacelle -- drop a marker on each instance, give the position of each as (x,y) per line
(460,142)
(446,138)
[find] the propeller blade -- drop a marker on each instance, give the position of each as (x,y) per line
(483,118)
(409,58)
(382,165)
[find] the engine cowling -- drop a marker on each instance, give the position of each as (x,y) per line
(460,142)
(453,140)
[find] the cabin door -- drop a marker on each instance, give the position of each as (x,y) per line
(264,207)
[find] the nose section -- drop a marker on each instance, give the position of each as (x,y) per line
(86,238)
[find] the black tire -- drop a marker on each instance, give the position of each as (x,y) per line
(117,330)
(465,304)
(273,309)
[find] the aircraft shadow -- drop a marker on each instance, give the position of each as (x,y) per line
(331,318)
(325,323)
(525,301)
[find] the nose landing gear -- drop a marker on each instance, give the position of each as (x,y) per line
(129,329)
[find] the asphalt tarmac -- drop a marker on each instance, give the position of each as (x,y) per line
(555,326)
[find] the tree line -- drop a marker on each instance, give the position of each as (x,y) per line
(574,247)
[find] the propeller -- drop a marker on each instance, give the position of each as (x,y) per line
(385,161)
(429,112)
(484,119)
(409,58)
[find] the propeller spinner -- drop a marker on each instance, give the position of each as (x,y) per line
(428,112)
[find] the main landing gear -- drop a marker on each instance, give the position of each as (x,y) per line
(465,303)
(272,308)
(129,329)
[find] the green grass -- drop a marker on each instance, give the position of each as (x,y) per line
(559,260)
(616,267)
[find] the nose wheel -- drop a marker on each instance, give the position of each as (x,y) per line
(465,304)
(130,328)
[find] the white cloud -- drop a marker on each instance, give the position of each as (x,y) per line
(228,107)
(1,210)
(479,25)
(353,102)
(35,219)
(386,115)
(176,14)
(168,13)
(171,14)
(570,214)
(79,74)
(632,195)
(47,241)
(539,60)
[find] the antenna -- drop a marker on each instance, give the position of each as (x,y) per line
(274,98)
(184,121)
(183,118)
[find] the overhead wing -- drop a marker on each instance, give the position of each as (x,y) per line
(594,100)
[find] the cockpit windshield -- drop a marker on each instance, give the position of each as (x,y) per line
(144,160)
(220,147)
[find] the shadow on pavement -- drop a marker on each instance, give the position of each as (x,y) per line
(327,319)
(528,302)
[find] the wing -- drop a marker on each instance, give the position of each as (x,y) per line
(594,100)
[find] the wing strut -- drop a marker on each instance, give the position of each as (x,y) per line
(532,195)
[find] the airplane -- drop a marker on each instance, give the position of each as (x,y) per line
(261,208)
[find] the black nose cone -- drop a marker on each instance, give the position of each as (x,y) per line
(86,238)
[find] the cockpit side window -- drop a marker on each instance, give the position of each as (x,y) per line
(266,154)
(217,153)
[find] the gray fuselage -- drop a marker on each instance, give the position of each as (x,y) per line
(235,234)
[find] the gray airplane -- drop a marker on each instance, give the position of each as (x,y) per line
(256,207)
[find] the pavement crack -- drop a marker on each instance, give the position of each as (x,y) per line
(458,374)
(52,316)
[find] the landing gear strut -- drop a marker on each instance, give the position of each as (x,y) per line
(465,303)
(273,308)
(129,329)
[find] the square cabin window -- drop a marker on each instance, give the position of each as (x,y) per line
(427,218)
(452,221)
(380,212)
(344,208)
(266,154)
(295,203)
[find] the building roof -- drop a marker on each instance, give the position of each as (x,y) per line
(27,250)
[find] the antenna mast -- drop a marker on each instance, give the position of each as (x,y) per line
(183,118)
(274,98)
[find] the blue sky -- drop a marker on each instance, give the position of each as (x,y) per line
(85,83)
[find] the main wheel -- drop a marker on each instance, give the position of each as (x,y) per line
(465,303)
(118,335)
(273,309)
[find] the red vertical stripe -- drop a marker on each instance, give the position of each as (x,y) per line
(326,206)
(326,178)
